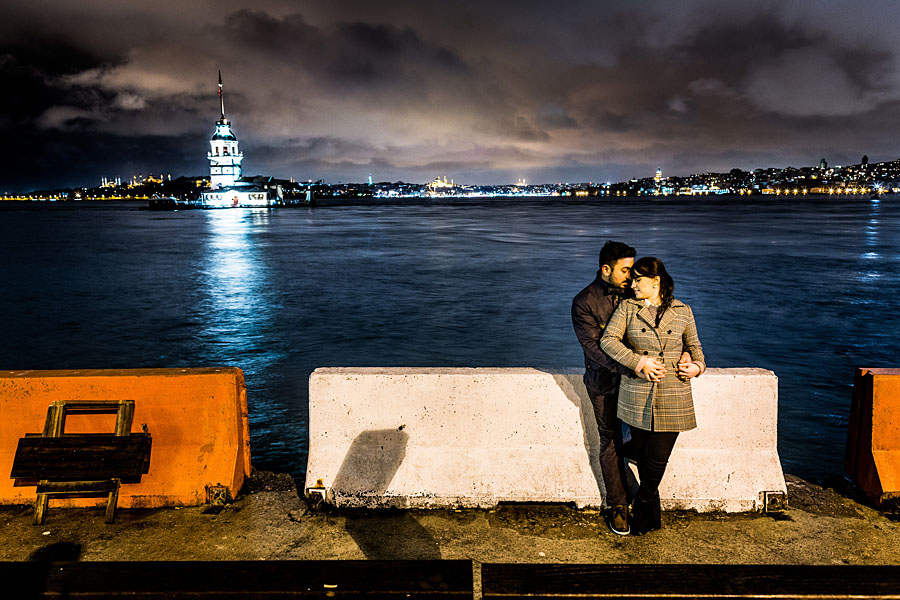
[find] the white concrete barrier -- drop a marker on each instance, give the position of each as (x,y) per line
(439,437)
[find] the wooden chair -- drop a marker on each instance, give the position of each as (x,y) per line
(82,465)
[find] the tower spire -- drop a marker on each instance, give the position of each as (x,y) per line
(221,98)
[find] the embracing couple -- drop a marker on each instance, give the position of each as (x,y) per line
(640,352)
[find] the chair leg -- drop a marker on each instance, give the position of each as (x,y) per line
(40,508)
(56,419)
(111,503)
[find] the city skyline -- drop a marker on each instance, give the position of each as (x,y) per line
(408,91)
(865,178)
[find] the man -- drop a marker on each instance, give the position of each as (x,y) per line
(591,310)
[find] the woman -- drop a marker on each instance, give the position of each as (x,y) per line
(647,334)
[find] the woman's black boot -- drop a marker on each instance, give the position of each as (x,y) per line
(641,516)
(655,514)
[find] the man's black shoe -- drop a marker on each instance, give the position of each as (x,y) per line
(617,519)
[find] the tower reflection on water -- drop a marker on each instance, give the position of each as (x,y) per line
(239,303)
(239,300)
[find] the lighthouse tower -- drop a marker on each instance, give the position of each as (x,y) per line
(224,156)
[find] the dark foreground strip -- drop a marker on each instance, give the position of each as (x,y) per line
(517,581)
(372,579)
(441,580)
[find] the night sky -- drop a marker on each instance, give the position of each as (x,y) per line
(480,91)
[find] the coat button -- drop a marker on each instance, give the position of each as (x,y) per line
(645,352)
(661,354)
(670,332)
(643,330)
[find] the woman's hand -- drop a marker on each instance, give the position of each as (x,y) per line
(653,370)
(687,369)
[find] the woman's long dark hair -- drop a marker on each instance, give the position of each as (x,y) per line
(650,266)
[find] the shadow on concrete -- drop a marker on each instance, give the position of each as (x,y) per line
(30,580)
(365,475)
(572,385)
(371,463)
(58,552)
(394,535)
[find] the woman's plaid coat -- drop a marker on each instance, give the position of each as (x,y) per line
(630,335)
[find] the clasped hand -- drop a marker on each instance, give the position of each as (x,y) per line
(687,369)
(653,370)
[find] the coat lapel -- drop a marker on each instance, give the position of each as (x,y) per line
(667,318)
(644,314)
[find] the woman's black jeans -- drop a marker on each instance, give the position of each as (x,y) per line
(652,450)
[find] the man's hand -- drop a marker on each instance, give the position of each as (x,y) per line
(653,370)
(687,369)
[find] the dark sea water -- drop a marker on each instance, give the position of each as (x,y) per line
(807,287)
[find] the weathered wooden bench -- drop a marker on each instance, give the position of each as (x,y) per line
(244,580)
(671,582)
(82,465)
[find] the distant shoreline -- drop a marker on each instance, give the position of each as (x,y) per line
(337,201)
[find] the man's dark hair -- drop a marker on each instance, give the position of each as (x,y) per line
(612,252)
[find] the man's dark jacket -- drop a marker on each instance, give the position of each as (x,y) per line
(591,310)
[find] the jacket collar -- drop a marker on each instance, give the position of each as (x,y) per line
(609,290)
(644,313)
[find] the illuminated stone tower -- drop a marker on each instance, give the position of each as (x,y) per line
(224,156)
(658,177)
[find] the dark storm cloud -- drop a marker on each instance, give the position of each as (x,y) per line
(346,57)
(754,88)
(760,66)
(485,91)
(29,73)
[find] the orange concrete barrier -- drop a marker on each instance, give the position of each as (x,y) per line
(873,441)
(197,418)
